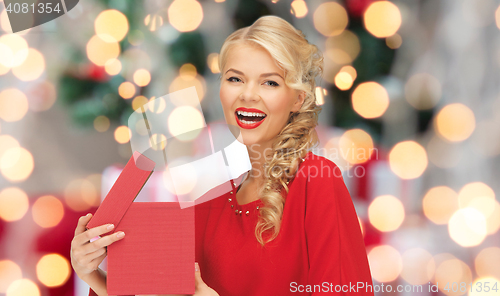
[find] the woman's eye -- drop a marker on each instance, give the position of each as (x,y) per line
(233,79)
(272,83)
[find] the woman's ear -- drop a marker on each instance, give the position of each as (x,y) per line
(301,96)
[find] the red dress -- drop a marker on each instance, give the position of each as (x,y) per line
(319,249)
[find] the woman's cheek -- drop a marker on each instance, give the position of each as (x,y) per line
(226,102)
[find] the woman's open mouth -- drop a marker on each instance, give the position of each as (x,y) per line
(249,118)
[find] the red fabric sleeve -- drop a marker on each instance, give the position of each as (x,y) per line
(337,255)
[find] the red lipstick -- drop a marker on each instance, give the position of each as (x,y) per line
(249,118)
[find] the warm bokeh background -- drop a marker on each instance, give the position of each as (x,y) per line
(411,112)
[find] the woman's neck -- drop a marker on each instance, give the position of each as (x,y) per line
(258,154)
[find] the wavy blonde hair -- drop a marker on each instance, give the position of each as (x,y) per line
(301,62)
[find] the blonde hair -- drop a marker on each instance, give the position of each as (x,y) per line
(302,62)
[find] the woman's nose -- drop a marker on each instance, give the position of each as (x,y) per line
(250,93)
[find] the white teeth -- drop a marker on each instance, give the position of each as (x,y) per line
(255,114)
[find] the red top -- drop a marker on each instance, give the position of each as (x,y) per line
(319,247)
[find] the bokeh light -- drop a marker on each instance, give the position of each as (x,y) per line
(185,15)
(489,287)
(126,90)
(111,25)
(3,69)
(9,272)
(213,62)
(23,287)
(138,102)
(158,141)
(7,142)
(351,71)
(487,262)
(338,56)
(81,195)
(13,104)
(497,17)
(157,105)
(100,51)
(183,120)
(153,22)
(493,221)
(32,67)
(343,48)
(53,270)
(455,122)
(188,77)
(47,211)
(142,77)
(467,227)
(483,204)
(13,50)
(422,91)
(361,227)
(450,271)
(394,41)
(343,80)
(356,146)
(122,134)
(473,190)
(320,98)
(113,66)
(330,18)
(370,100)
(42,96)
(418,266)
(382,19)
(16,164)
(386,213)
(439,204)
(385,263)
(408,159)
(14,204)
(299,8)
(101,123)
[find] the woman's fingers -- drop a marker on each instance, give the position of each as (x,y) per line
(86,236)
(97,261)
(103,242)
(197,274)
(89,257)
(82,223)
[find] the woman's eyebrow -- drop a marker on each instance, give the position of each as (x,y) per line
(261,75)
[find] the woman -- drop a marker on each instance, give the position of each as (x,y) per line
(290,227)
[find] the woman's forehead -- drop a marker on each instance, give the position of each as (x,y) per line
(253,58)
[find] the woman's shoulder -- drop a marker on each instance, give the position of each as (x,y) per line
(316,167)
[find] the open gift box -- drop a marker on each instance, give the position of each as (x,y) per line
(156,256)
(197,161)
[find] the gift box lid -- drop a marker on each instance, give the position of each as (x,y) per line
(124,191)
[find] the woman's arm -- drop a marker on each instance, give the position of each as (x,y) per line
(97,282)
(86,256)
(336,250)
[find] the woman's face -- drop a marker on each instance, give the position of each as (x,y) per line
(254,96)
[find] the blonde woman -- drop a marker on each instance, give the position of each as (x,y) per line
(290,227)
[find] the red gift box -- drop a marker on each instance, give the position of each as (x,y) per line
(156,256)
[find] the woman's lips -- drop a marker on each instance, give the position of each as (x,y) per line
(249,118)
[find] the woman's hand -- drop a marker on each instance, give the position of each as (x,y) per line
(85,255)
(201,288)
